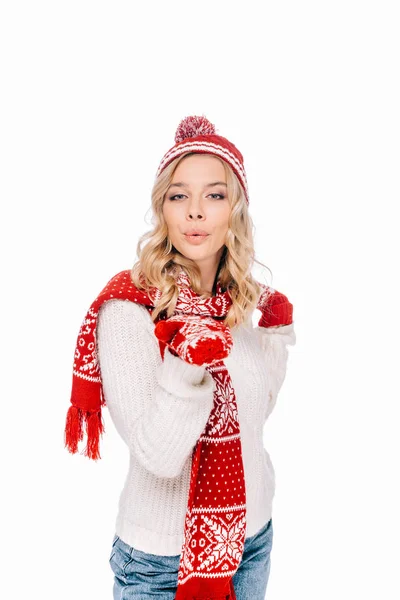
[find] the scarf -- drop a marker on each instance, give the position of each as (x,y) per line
(215,519)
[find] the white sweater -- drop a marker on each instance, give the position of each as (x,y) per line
(160,408)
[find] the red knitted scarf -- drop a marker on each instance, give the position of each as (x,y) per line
(215,521)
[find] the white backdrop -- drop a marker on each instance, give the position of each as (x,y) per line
(91,95)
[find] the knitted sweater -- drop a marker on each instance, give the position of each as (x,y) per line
(160,408)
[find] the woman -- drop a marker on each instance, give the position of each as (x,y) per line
(189,382)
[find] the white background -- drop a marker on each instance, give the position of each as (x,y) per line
(91,95)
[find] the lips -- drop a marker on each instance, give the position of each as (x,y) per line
(195,238)
(196,232)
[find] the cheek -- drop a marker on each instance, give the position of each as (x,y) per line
(222,219)
(172,222)
(220,214)
(168,215)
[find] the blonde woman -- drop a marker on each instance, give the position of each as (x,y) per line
(170,348)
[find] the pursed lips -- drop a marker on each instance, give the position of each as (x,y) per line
(197,234)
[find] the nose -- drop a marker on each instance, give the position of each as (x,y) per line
(193,213)
(194,209)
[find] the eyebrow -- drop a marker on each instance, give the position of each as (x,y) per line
(183,184)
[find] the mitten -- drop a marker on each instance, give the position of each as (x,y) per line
(197,340)
(275,309)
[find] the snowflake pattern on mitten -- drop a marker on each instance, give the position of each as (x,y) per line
(197,340)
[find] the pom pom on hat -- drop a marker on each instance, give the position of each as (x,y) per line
(191,127)
(196,134)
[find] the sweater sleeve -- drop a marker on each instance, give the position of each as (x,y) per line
(159,408)
(274,342)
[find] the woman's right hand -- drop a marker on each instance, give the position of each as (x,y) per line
(197,340)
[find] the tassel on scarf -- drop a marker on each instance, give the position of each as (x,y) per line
(94,427)
(74,431)
(73,428)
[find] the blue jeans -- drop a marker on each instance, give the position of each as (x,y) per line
(142,576)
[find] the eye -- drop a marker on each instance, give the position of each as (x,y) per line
(182,195)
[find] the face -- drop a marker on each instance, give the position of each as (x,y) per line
(197,199)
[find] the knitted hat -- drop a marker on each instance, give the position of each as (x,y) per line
(197,134)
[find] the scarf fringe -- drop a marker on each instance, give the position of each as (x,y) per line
(74,431)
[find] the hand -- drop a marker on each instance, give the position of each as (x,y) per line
(197,340)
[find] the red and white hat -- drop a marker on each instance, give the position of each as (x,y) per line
(197,134)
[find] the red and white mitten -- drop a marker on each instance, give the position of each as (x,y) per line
(197,340)
(276,310)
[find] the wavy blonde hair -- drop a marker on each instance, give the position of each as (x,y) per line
(159,261)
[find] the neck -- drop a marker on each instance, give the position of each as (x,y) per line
(207,289)
(208,272)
